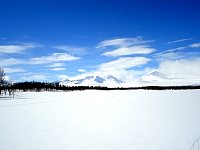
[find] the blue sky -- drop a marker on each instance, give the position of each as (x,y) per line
(50,40)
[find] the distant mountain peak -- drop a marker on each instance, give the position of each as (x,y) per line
(111,77)
(157,73)
(99,79)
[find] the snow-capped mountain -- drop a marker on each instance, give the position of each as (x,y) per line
(153,76)
(112,78)
(156,78)
(93,80)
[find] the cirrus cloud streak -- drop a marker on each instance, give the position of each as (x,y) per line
(55,57)
(123,63)
(140,49)
(10,49)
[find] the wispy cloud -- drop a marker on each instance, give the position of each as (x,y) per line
(195,45)
(177,49)
(55,57)
(62,77)
(57,69)
(180,40)
(71,49)
(81,70)
(122,42)
(169,55)
(57,65)
(16,48)
(176,53)
(36,77)
(123,63)
(10,61)
(140,49)
(172,63)
(13,70)
(125,46)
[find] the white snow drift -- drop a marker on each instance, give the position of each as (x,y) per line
(100,120)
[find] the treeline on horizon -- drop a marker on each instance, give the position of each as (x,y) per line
(55,86)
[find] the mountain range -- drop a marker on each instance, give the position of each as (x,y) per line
(92,80)
(153,78)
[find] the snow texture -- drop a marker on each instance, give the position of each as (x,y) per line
(100,120)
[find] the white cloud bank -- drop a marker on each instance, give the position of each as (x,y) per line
(184,68)
(169,72)
(118,68)
(175,72)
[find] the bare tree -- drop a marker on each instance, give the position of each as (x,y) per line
(2,76)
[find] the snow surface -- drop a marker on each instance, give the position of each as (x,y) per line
(100,120)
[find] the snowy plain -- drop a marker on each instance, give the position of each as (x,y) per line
(100,120)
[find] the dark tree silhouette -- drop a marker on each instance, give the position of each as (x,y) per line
(55,86)
(2,76)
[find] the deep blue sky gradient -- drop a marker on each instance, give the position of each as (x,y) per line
(85,23)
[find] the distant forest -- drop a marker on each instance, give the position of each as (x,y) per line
(55,86)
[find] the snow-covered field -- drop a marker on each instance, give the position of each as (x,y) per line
(100,120)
